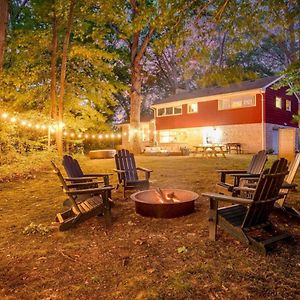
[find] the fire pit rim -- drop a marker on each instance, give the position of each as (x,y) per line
(194,196)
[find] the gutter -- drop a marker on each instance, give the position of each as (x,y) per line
(263,127)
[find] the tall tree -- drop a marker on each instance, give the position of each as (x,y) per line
(4,5)
(63,78)
(34,64)
(137,24)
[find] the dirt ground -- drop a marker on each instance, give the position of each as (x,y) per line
(138,258)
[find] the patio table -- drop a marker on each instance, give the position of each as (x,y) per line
(234,146)
(210,150)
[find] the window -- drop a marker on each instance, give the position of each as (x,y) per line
(288,105)
(160,112)
(278,102)
(165,137)
(177,110)
(236,102)
(192,108)
(169,111)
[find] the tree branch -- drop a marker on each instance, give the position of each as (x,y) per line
(142,50)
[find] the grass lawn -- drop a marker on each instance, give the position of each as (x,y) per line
(138,258)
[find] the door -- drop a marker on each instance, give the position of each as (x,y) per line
(275,140)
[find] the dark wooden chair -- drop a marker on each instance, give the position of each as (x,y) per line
(128,172)
(95,203)
(255,168)
(288,184)
(248,219)
(74,171)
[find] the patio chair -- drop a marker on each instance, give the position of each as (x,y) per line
(255,168)
(95,202)
(74,171)
(127,172)
(288,184)
(248,219)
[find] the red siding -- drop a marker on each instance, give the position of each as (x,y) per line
(280,116)
(209,115)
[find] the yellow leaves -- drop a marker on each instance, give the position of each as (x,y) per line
(90,53)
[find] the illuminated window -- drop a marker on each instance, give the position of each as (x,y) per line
(288,105)
(278,102)
(168,111)
(161,112)
(165,137)
(177,110)
(192,108)
(236,102)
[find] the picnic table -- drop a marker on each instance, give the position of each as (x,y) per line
(210,150)
(234,146)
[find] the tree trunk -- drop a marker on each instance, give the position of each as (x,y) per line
(136,84)
(63,79)
(3,28)
(53,109)
(135,106)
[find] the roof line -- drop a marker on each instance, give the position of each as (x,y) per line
(271,83)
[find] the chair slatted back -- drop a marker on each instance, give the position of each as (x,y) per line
(72,166)
(125,161)
(293,167)
(265,194)
(63,182)
(257,163)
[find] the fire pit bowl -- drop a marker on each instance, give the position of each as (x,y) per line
(166,203)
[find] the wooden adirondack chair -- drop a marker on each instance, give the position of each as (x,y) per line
(248,219)
(288,184)
(128,172)
(74,171)
(254,170)
(95,203)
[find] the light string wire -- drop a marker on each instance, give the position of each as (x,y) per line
(52,128)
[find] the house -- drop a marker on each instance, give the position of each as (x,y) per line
(147,129)
(250,113)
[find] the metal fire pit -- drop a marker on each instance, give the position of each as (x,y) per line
(148,203)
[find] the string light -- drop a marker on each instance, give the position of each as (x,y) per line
(54,127)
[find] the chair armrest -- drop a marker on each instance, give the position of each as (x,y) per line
(97,174)
(119,171)
(231,171)
(143,169)
(90,191)
(247,176)
(82,179)
(244,189)
(219,197)
(82,184)
(289,186)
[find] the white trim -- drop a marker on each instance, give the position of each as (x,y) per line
(296,95)
(192,112)
(230,99)
(205,99)
(271,83)
(263,127)
(169,106)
